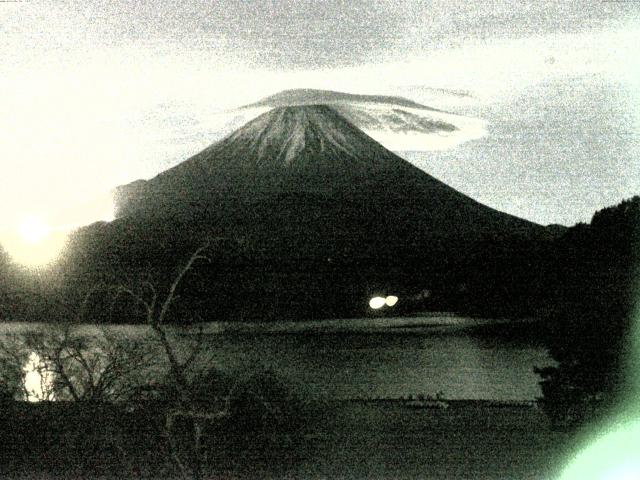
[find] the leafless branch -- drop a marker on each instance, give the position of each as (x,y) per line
(195,352)
(197,255)
(80,316)
(173,447)
(148,306)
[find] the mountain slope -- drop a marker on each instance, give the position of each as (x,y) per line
(304,149)
(309,214)
(309,150)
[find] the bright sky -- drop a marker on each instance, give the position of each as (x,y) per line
(96,94)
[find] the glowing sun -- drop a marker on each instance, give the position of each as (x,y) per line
(34,230)
(33,242)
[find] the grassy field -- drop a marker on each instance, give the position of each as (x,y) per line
(353,440)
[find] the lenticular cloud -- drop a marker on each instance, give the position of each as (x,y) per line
(397,123)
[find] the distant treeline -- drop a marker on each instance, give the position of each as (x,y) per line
(585,264)
(244,279)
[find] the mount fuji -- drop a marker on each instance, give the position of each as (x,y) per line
(311,215)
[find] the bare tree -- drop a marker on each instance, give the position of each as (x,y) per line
(72,365)
(188,406)
(13,358)
(156,310)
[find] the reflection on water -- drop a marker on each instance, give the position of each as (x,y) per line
(38,379)
(381,357)
(393,363)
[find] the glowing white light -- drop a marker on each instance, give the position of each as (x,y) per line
(38,382)
(33,244)
(610,456)
(391,300)
(33,230)
(377,302)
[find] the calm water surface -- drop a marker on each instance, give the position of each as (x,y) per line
(389,357)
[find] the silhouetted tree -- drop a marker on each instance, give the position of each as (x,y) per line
(589,333)
(72,365)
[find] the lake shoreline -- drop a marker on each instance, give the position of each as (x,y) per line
(388,357)
(329,324)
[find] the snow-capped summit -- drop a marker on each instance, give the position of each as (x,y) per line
(397,123)
(301,151)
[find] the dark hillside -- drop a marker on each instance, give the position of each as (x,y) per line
(309,217)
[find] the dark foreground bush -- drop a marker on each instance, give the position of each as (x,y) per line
(6,395)
(265,403)
(90,439)
(590,333)
(262,428)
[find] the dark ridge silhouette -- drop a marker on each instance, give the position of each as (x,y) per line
(307,150)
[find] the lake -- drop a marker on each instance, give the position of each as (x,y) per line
(375,357)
